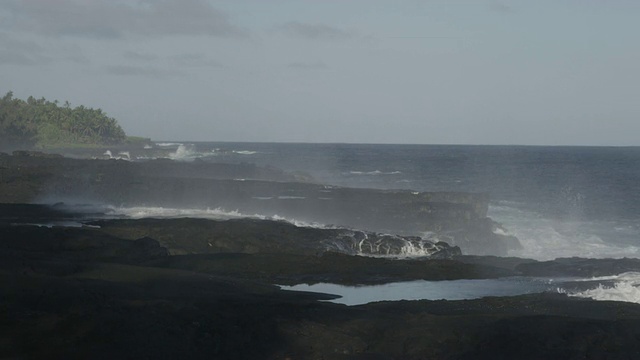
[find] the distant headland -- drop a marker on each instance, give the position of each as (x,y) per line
(40,123)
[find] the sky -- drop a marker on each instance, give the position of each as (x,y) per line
(543,72)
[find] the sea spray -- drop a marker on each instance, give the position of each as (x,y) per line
(140,212)
(184,153)
(122,155)
(623,287)
(545,238)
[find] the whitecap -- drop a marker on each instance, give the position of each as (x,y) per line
(374,172)
(626,287)
(244,152)
(299,223)
(140,212)
(168,144)
(123,155)
(546,239)
(184,153)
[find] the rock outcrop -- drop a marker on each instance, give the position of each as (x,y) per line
(459,219)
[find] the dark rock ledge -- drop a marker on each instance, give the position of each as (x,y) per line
(78,293)
(203,289)
(460,219)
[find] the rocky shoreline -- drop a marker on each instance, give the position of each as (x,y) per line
(77,284)
(459,219)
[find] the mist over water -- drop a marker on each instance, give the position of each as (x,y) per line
(559,201)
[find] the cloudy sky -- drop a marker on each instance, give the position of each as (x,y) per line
(558,72)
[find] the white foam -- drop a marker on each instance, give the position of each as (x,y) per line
(418,249)
(375,172)
(168,144)
(184,153)
(123,155)
(546,239)
(141,212)
(244,152)
(501,231)
(626,288)
(299,223)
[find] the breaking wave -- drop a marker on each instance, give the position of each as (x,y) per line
(244,152)
(168,144)
(162,212)
(623,287)
(122,155)
(184,153)
(375,172)
(545,238)
(348,241)
(141,212)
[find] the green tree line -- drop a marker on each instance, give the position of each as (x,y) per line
(43,123)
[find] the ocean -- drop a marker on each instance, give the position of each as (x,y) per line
(558,201)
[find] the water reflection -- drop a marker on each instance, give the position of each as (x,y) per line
(433,290)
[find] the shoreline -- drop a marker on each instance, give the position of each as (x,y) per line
(186,287)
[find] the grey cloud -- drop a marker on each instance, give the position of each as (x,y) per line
(14,52)
(108,19)
(308,65)
(314,31)
(195,61)
(500,7)
(77,58)
(127,70)
(133,55)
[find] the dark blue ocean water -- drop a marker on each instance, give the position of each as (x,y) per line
(559,201)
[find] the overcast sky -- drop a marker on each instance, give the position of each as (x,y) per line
(557,72)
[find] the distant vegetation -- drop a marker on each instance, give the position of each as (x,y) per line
(42,123)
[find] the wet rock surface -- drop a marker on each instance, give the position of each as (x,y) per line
(74,293)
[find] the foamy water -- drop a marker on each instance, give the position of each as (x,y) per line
(185,153)
(546,239)
(623,287)
(122,155)
(374,172)
(140,212)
